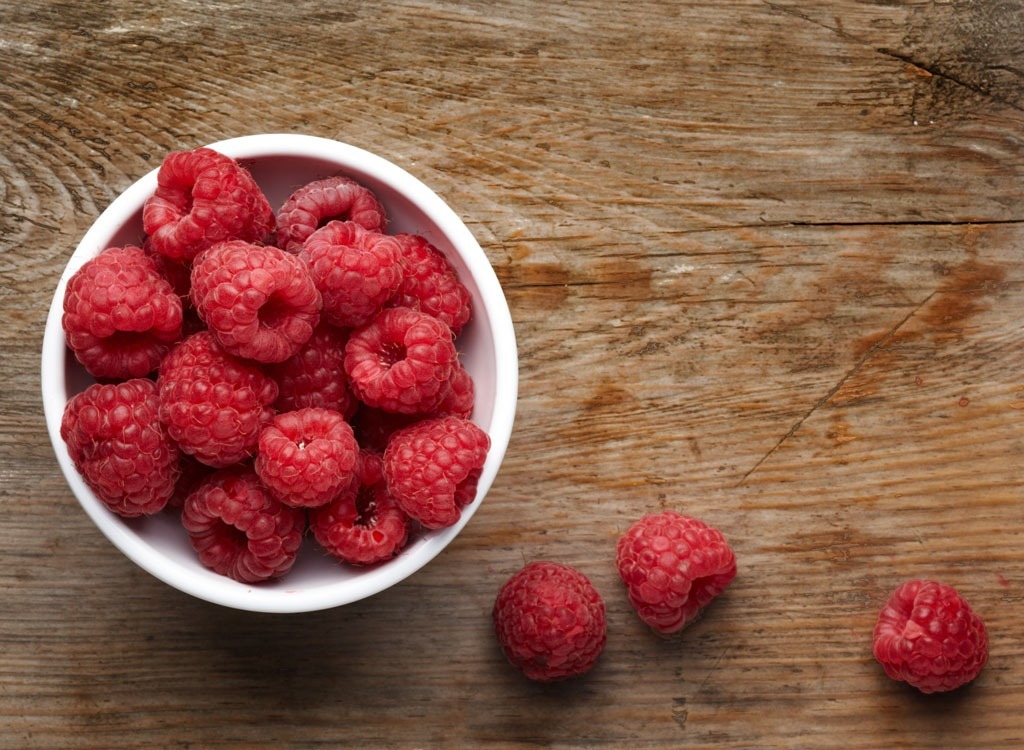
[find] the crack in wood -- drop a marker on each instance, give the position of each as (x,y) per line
(931,70)
(858,365)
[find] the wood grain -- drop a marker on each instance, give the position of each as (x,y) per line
(764,261)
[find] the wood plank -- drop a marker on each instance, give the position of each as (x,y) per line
(764,261)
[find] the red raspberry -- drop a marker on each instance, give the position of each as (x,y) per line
(374,428)
(929,637)
(315,375)
(193,472)
(117,443)
(306,457)
(120,315)
(363,525)
(356,271)
(673,566)
(432,468)
(239,530)
(401,361)
(332,198)
(458,396)
(203,197)
(214,405)
(260,302)
(550,622)
(431,284)
(177,274)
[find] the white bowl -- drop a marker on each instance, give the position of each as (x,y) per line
(280,163)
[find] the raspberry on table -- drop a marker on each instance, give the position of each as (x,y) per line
(928,636)
(313,205)
(120,315)
(259,301)
(550,622)
(431,284)
(363,525)
(214,405)
(239,529)
(401,361)
(432,468)
(119,446)
(673,566)
(315,374)
(203,197)
(307,457)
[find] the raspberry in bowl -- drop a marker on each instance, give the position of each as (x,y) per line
(214,324)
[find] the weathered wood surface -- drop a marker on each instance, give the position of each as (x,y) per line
(764,260)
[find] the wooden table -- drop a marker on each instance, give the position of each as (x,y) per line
(764,261)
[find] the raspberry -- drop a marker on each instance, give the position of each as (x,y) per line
(363,525)
(176,273)
(550,622)
(401,361)
(120,315)
(306,457)
(259,301)
(239,530)
(192,473)
(315,375)
(929,637)
(673,566)
(332,198)
(458,396)
(356,271)
(120,448)
(431,284)
(432,468)
(203,197)
(374,428)
(214,405)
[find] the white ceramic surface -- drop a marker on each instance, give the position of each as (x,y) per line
(280,163)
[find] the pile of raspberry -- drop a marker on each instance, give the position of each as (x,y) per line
(271,376)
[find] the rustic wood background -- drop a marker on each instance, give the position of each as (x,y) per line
(764,261)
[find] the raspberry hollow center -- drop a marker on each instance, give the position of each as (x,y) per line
(391,353)
(274,312)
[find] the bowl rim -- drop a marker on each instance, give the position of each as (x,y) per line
(55,358)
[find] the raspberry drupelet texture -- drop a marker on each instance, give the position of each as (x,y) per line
(259,301)
(120,315)
(929,637)
(315,375)
(458,397)
(307,457)
(364,524)
(239,529)
(431,284)
(432,468)
(550,622)
(673,566)
(193,472)
(214,405)
(119,446)
(335,198)
(203,197)
(402,361)
(356,271)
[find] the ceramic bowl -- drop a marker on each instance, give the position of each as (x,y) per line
(280,163)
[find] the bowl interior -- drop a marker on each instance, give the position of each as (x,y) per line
(280,164)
